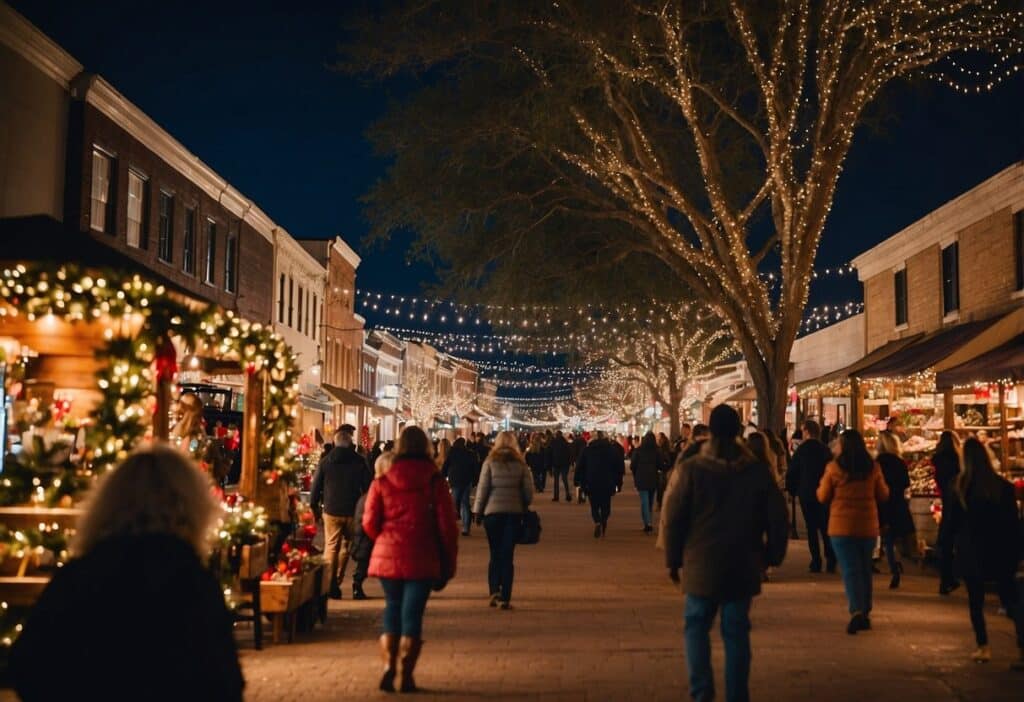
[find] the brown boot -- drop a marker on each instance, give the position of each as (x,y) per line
(409,653)
(389,656)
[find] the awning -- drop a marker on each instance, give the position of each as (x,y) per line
(924,353)
(844,374)
(350,398)
(1003,330)
(1004,363)
(744,394)
(315,404)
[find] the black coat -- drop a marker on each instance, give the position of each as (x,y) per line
(341,478)
(986,535)
(646,465)
(536,461)
(894,514)
(947,467)
(137,618)
(362,545)
(806,469)
(601,468)
(723,521)
(559,455)
(461,467)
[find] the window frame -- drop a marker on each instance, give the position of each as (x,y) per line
(109,206)
(950,299)
(188,243)
(280,299)
(299,326)
(902,312)
(210,256)
(165,239)
(291,302)
(231,262)
(142,241)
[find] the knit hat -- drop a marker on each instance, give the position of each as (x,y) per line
(725,422)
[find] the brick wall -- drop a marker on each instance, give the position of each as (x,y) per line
(90,127)
(924,291)
(987,277)
(879,310)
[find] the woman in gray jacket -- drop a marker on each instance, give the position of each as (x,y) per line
(503,494)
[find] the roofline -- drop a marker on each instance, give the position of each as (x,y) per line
(1005,188)
(25,39)
(347,252)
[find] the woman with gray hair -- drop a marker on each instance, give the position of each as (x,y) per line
(137,609)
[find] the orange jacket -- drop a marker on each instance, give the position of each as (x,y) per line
(854,503)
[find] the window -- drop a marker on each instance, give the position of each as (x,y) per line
(101,215)
(309,306)
(188,249)
(951,278)
(1018,247)
(316,328)
(138,187)
(291,301)
(900,294)
(165,243)
(231,263)
(280,300)
(210,270)
(300,309)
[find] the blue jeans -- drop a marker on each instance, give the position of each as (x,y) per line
(699,616)
(462,495)
(502,535)
(646,503)
(854,556)
(405,601)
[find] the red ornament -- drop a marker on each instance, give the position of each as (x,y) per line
(166,361)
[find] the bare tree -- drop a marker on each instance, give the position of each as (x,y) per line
(420,395)
(708,134)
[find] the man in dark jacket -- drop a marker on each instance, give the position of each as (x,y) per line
(724,520)
(462,470)
(559,457)
(341,478)
(601,468)
(802,478)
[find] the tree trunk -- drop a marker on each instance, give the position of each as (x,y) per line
(771,382)
(673,419)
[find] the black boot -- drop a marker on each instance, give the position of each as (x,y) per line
(357,592)
(897,572)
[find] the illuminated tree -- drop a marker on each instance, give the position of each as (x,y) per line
(421,397)
(708,134)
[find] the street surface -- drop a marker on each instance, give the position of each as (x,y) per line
(599,620)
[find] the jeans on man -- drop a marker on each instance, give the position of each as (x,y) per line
(854,554)
(646,505)
(462,494)
(563,475)
(502,536)
(405,601)
(337,545)
(699,617)
(816,521)
(600,507)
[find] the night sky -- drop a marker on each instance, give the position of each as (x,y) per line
(248,88)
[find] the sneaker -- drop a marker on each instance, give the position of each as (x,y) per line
(648,529)
(465,533)
(495,599)
(814,568)
(946,588)
(335,593)
(983,654)
(597,531)
(897,574)
(506,605)
(858,622)
(604,528)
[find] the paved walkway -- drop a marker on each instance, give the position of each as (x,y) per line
(599,620)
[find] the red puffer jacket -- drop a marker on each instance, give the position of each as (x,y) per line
(397,518)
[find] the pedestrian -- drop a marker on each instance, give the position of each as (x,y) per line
(362,545)
(700,434)
(895,521)
(462,470)
(443,447)
(340,479)
(854,485)
(536,460)
(648,465)
(411,518)
(806,469)
(578,444)
(559,459)
(723,521)
(137,591)
(980,519)
(946,461)
(504,493)
(602,467)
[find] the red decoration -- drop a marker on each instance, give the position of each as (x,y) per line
(166,361)
(364,437)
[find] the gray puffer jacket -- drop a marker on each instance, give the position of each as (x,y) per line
(506,486)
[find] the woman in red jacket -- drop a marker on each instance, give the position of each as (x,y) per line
(410,516)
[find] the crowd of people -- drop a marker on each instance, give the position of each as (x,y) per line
(396,512)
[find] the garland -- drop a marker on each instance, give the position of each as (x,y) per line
(141,318)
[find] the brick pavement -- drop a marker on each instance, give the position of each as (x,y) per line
(599,620)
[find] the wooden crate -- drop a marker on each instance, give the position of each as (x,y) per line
(281,597)
(254,560)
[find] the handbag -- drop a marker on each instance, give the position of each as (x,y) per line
(442,557)
(529,534)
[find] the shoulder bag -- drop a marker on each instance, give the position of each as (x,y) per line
(529,532)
